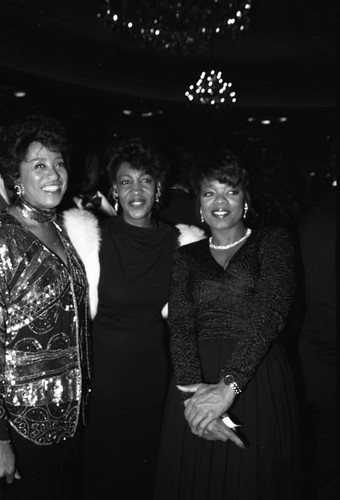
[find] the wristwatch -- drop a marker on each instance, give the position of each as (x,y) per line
(230,380)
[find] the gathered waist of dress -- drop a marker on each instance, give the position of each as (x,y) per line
(221,325)
(218,334)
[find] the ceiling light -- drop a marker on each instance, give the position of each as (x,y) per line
(211,89)
(181,26)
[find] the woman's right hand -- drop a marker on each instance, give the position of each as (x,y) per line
(207,403)
(7,462)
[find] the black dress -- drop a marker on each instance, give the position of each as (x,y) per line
(228,321)
(131,360)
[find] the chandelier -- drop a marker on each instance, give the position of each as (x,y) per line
(176,26)
(211,89)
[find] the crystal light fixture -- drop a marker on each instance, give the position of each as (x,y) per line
(211,89)
(176,25)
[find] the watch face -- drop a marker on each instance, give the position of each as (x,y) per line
(229,379)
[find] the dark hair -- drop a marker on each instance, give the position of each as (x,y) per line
(141,155)
(219,164)
(17,137)
(92,173)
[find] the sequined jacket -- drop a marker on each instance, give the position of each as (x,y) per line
(44,347)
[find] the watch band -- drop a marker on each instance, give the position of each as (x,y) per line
(229,380)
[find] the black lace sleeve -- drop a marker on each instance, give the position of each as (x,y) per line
(182,323)
(269,307)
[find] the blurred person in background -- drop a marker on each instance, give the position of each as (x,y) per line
(179,205)
(317,343)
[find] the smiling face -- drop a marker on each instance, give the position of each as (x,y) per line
(136,192)
(222,205)
(44,176)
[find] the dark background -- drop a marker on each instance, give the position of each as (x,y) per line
(102,86)
(70,65)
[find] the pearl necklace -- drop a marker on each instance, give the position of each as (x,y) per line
(231,245)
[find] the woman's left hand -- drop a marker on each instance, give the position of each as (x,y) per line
(218,431)
(208,402)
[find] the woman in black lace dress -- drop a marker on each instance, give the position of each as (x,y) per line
(229,300)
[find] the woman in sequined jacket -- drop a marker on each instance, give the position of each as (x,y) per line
(44,348)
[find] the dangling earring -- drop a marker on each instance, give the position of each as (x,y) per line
(202,216)
(19,189)
(158,194)
(245,210)
(115,197)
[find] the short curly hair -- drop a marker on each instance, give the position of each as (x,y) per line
(141,155)
(17,137)
(219,164)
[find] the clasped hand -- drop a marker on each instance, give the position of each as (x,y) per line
(204,409)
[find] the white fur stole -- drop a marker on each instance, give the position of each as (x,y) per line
(188,234)
(83,230)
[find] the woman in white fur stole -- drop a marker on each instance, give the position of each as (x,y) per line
(128,263)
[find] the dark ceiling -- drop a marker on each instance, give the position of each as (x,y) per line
(66,61)
(283,70)
(286,58)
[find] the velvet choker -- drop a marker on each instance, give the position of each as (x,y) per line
(37,214)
